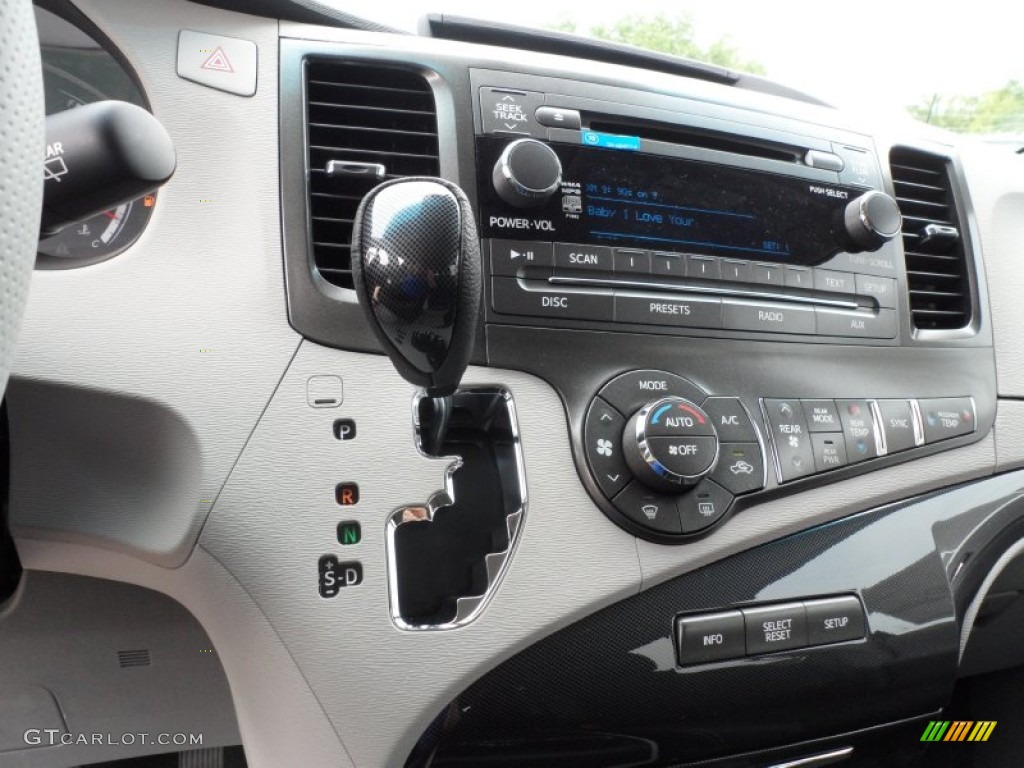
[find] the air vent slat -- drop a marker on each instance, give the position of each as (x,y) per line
(937,280)
(368,113)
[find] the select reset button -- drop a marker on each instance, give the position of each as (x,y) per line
(775,628)
(710,637)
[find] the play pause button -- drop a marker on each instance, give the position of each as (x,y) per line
(510,258)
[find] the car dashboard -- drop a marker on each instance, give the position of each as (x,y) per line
(734,467)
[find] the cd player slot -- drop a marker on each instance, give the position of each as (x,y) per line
(713,290)
(701,139)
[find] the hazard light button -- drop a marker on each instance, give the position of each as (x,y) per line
(225,63)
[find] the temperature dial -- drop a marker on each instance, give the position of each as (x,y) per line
(670,443)
(527,174)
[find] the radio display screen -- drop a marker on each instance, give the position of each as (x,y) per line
(629,199)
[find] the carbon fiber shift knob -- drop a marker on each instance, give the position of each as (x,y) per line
(416,270)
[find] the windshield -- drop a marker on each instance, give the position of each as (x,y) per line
(963,71)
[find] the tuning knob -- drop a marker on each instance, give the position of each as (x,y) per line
(669,444)
(527,174)
(870,221)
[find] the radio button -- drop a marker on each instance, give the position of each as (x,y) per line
(790,437)
(833,282)
(947,417)
(859,429)
(736,271)
(508,297)
(800,277)
(829,450)
(881,289)
(683,313)
(509,256)
(703,268)
(631,391)
(632,262)
(859,324)
(898,425)
(768,318)
(821,416)
(510,111)
(570,259)
(668,264)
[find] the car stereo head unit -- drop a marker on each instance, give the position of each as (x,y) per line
(669,228)
(620,197)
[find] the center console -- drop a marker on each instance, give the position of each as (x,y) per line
(742,308)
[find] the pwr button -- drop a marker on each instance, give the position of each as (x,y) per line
(711,637)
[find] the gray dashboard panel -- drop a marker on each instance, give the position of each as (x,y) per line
(996,178)
(204,276)
(64,636)
(277,515)
(308,674)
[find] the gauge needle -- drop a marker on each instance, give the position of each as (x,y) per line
(111,215)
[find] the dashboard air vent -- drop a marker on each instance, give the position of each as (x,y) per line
(374,122)
(937,279)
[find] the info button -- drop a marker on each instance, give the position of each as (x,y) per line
(712,637)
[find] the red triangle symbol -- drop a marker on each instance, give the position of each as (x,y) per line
(218,61)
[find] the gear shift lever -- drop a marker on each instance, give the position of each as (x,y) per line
(416,270)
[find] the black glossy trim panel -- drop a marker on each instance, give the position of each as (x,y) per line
(615,672)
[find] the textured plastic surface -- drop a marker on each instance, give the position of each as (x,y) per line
(185,332)
(894,559)
(277,516)
(60,639)
(21,155)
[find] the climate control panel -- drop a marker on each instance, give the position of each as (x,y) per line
(671,459)
(667,455)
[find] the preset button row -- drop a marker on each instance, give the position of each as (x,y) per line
(512,296)
(765,629)
(509,257)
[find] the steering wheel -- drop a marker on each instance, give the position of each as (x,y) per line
(22,142)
